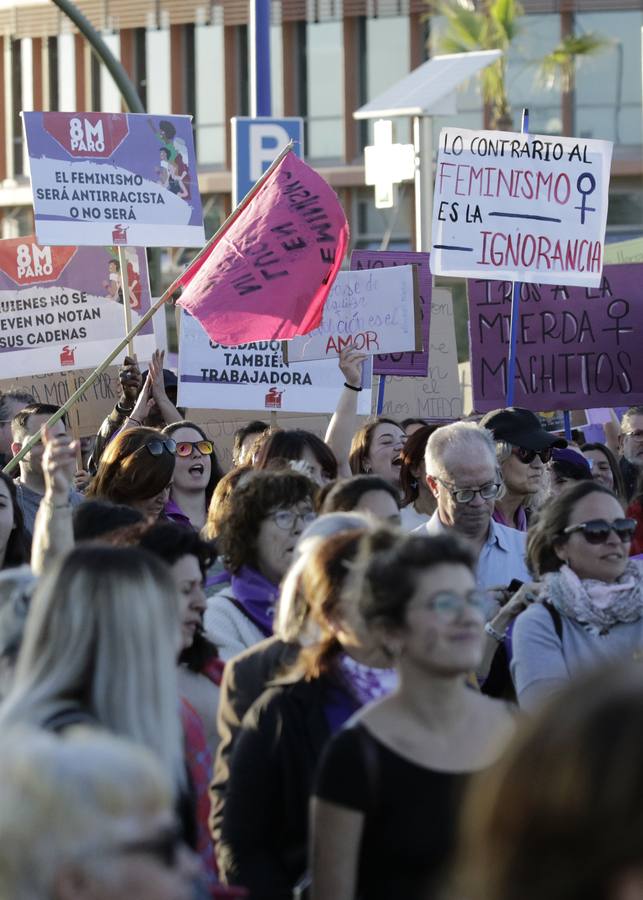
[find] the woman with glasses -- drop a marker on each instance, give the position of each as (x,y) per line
(389,785)
(196,474)
(591,608)
(136,469)
(523,449)
(257,536)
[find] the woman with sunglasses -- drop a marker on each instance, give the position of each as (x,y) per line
(592,597)
(523,449)
(257,537)
(389,784)
(196,474)
(136,469)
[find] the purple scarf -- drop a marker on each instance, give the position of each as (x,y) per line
(520,523)
(254,595)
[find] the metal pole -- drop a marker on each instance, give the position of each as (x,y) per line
(515,308)
(259,36)
(423,141)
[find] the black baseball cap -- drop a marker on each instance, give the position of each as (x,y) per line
(520,427)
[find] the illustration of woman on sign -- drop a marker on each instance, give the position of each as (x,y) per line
(174,161)
(114,285)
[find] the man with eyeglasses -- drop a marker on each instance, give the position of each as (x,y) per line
(463,475)
(523,448)
(630,444)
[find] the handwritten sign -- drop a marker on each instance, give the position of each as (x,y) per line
(63,306)
(370,311)
(267,276)
(520,207)
(255,376)
(106,178)
(577,348)
(416,362)
(438,396)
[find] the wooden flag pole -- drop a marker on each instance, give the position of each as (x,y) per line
(167,294)
(127,309)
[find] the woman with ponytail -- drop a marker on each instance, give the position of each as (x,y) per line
(388,786)
(264,831)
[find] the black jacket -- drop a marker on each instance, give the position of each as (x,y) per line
(265,819)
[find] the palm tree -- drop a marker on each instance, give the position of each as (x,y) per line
(494,24)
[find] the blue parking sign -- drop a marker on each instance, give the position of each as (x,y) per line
(255,144)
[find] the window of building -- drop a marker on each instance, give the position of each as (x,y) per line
(608,84)
(159,71)
(16,100)
(538,35)
(277,70)
(383,69)
(210,94)
(469,107)
(140,64)
(52,72)
(325,91)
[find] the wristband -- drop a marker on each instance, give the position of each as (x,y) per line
(351,387)
(491,631)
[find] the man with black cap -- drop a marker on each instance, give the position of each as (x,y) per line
(523,448)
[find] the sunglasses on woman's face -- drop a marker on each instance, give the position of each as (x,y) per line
(185,448)
(597,531)
(157,445)
(528,456)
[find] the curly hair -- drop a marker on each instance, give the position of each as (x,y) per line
(254,499)
(125,474)
(393,563)
(222,497)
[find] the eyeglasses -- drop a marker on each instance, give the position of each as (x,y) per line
(597,531)
(286,518)
(156,445)
(637,435)
(528,456)
(488,491)
(185,448)
(449,605)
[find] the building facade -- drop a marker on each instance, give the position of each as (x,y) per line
(328,57)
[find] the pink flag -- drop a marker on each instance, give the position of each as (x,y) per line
(268,275)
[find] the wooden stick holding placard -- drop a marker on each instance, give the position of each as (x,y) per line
(127,307)
(144,319)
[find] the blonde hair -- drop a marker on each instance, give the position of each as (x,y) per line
(62,800)
(102,632)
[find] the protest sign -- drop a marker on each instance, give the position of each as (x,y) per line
(438,396)
(624,252)
(54,388)
(414,363)
(106,178)
(577,348)
(221,424)
(62,307)
(269,270)
(255,376)
(370,311)
(520,207)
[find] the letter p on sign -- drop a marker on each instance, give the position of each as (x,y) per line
(266,141)
(255,144)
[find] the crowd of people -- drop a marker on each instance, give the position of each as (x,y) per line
(398,661)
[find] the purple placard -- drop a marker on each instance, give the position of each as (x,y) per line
(577,348)
(411,363)
(114,178)
(62,307)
